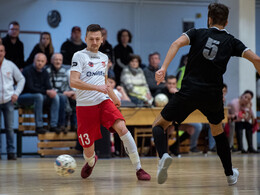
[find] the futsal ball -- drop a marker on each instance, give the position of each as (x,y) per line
(160,100)
(65,165)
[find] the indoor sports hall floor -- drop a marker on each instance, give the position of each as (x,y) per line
(190,174)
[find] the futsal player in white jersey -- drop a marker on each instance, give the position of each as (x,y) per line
(97,104)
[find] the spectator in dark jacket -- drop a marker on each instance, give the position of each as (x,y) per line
(149,72)
(72,45)
(38,91)
(13,46)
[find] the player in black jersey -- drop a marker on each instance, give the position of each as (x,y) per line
(202,84)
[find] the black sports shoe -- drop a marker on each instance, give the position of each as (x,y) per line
(40,130)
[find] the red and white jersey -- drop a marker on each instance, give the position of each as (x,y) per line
(92,67)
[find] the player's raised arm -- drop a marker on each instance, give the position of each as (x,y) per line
(175,46)
(77,83)
(252,57)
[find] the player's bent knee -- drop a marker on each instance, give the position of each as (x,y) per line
(216,129)
(160,121)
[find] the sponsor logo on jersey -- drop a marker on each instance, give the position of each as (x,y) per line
(91,64)
(95,57)
(74,64)
(103,64)
(97,73)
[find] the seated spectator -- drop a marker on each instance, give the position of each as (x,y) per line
(44,46)
(119,90)
(122,52)
(1,41)
(241,112)
(9,95)
(106,47)
(191,130)
(60,83)
(149,72)
(39,93)
(72,45)
(13,46)
(133,80)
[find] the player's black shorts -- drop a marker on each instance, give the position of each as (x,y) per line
(182,104)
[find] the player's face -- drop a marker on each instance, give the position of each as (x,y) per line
(40,61)
(93,40)
(14,30)
(45,40)
(155,61)
(2,53)
(134,63)
(57,61)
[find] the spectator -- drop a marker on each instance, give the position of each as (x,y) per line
(191,130)
(149,72)
(60,83)
(13,46)
(106,47)
(9,74)
(122,52)
(38,91)
(72,45)
(119,90)
(133,80)
(181,70)
(44,46)
(1,41)
(242,114)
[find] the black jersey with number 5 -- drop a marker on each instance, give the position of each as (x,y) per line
(209,54)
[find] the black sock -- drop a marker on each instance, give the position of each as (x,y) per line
(223,152)
(160,140)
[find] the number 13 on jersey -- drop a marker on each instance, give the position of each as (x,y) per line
(84,138)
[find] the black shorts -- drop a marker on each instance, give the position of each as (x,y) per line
(181,105)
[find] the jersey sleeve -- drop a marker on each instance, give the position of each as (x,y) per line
(238,48)
(191,35)
(77,63)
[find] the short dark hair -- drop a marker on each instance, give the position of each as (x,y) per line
(13,23)
(152,54)
(248,91)
(134,56)
(119,34)
(218,13)
(171,77)
(93,28)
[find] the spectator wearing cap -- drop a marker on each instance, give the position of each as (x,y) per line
(72,45)
(106,47)
(149,72)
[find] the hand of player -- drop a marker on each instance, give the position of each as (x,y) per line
(14,98)
(159,75)
(102,89)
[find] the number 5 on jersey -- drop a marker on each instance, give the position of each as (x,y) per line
(211,49)
(84,139)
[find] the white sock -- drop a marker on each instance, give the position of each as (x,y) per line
(131,150)
(90,160)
